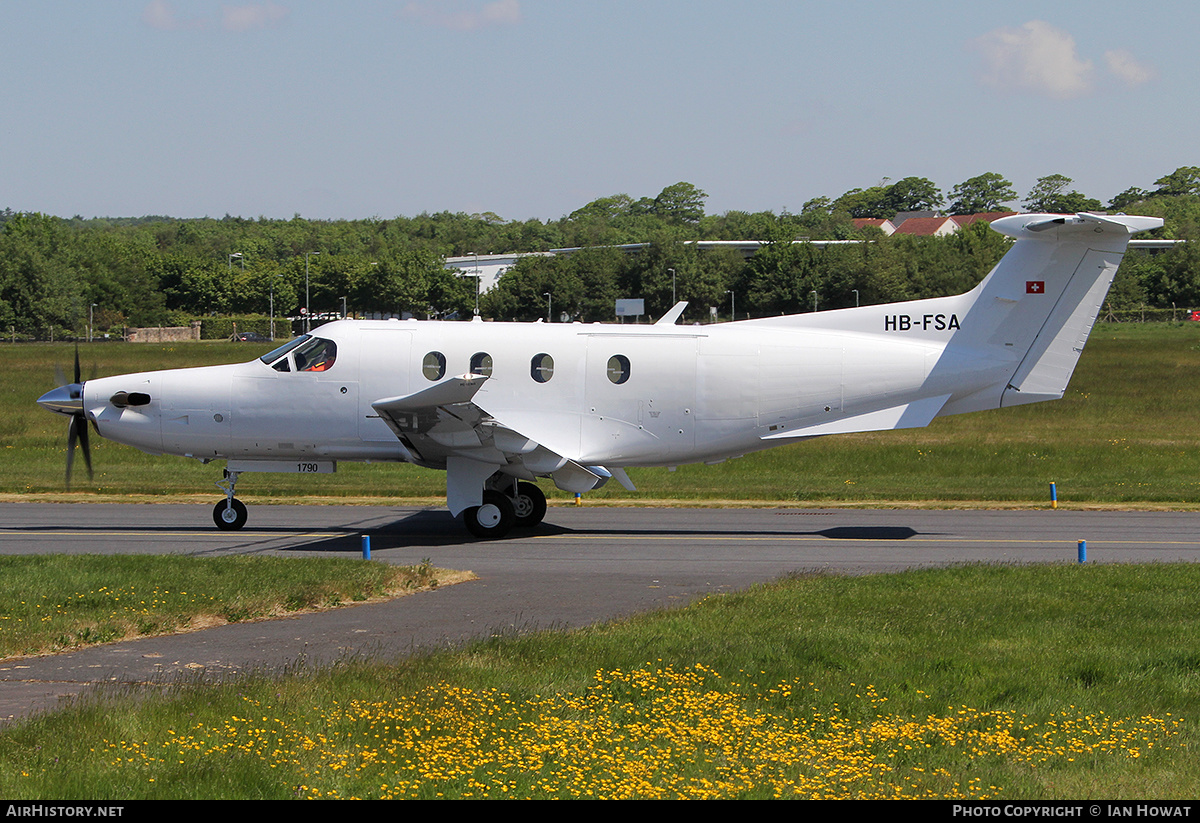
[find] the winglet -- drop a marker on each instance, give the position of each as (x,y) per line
(456,390)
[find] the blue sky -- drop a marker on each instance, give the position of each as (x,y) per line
(533,108)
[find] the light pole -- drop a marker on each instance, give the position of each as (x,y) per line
(307,309)
(273,306)
(814,294)
(673,299)
(856,298)
(548,316)
(343,308)
(732,307)
(91,311)
(476,284)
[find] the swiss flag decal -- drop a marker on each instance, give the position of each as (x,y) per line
(1035,286)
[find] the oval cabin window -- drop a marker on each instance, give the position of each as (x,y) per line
(542,367)
(481,363)
(434,366)
(618,368)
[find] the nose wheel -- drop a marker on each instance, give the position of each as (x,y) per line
(229,515)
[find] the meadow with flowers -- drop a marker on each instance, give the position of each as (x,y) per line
(968,682)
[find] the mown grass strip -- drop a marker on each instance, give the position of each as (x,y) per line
(63,601)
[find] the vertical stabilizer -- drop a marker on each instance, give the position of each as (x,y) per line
(1054,282)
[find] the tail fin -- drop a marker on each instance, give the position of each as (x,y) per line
(1042,299)
(1015,338)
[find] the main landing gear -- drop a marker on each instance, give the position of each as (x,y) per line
(229,514)
(521,504)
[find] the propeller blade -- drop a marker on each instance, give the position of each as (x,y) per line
(81,422)
(68,400)
(71,438)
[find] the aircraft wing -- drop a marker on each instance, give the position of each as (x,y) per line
(443,427)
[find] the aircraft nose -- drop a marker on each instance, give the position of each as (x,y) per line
(64,399)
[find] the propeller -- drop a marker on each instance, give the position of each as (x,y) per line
(68,400)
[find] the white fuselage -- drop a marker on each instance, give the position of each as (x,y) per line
(678,393)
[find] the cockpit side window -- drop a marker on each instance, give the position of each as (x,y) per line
(315,355)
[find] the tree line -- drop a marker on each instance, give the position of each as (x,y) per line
(56,273)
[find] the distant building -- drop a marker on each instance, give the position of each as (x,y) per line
(883,224)
(967,219)
(927,226)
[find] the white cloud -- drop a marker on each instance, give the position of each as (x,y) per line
(253,16)
(450,15)
(159,14)
(1127,69)
(1037,57)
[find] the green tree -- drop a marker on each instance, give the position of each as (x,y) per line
(912,194)
(856,203)
(1183,181)
(987,192)
(680,203)
(1049,195)
(1127,198)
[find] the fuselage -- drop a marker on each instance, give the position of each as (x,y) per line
(622,395)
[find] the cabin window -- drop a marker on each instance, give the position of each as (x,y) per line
(618,368)
(434,366)
(316,354)
(481,363)
(541,368)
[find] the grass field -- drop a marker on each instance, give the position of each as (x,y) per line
(1126,433)
(1065,682)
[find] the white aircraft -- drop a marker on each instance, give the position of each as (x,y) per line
(500,405)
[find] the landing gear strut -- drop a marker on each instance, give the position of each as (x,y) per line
(229,514)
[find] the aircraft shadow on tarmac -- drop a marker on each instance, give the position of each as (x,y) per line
(435,529)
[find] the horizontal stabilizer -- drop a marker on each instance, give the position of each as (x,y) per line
(1061,226)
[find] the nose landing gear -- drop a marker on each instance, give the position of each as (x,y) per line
(229,514)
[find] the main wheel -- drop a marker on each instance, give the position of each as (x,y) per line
(229,516)
(491,520)
(529,505)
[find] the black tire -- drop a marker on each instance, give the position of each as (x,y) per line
(529,505)
(229,517)
(492,520)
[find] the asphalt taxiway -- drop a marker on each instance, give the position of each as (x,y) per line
(583,565)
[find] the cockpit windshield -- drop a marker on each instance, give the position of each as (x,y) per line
(271,356)
(305,353)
